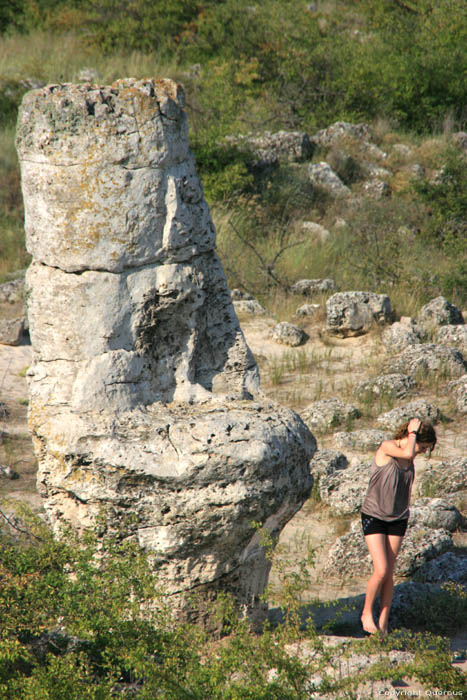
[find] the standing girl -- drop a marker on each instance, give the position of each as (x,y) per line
(385,512)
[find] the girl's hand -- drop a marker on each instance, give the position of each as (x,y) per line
(414,425)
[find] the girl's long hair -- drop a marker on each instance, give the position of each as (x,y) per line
(426,433)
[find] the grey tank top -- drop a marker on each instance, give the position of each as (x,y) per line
(388,493)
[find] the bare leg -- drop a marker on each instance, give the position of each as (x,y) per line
(378,552)
(393,545)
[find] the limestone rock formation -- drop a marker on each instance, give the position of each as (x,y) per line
(420,408)
(144,397)
(367,439)
(354,313)
(311,288)
(427,359)
(439,312)
(289,334)
(328,413)
(344,491)
(323,175)
(384,386)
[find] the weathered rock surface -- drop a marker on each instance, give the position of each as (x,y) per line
(449,567)
(143,393)
(323,175)
(249,306)
(11,331)
(345,490)
(307,310)
(427,359)
(377,188)
(445,478)
(340,130)
(315,231)
(453,335)
(12,292)
(328,413)
(289,334)
(436,513)
(399,335)
(439,312)
(365,439)
(278,147)
(385,386)
(354,313)
(459,391)
(326,462)
(310,288)
(401,414)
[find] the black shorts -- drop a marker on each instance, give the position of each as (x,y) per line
(374,526)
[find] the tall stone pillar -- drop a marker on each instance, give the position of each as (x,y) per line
(144,397)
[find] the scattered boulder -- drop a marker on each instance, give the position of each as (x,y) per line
(386,386)
(311,287)
(436,513)
(322,175)
(238,295)
(275,148)
(450,567)
(307,310)
(339,130)
(439,312)
(289,334)
(445,479)
(401,414)
(326,462)
(459,391)
(326,414)
(249,306)
(425,359)
(399,335)
(377,188)
(354,313)
(453,335)
(349,556)
(366,439)
(12,292)
(11,331)
(344,490)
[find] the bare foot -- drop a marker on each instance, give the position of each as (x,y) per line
(368,623)
(382,631)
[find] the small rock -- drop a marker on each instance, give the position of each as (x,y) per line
(365,439)
(307,310)
(323,175)
(11,331)
(326,462)
(459,391)
(12,292)
(419,408)
(439,312)
(248,306)
(377,188)
(444,478)
(344,490)
(339,130)
(399,335)
(311,287)
(354,313)
(402,150)
(437,513)
(449,567)
(453,335)
(328,413)
(386,385)
(289,334)
(425,359)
